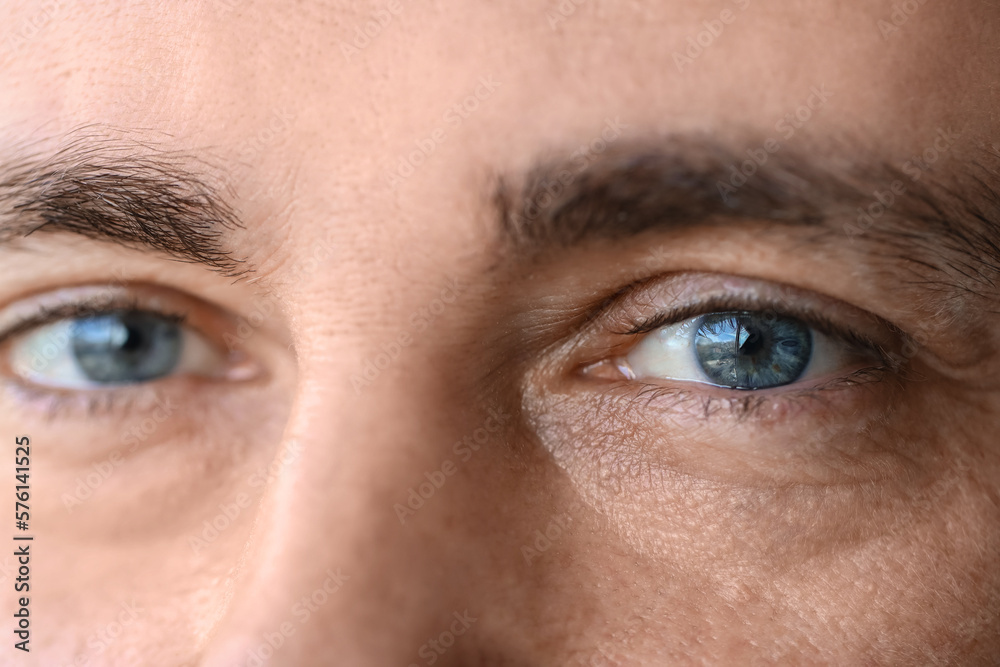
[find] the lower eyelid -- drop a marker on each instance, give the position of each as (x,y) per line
(857,374)
(703,402)
(819,435)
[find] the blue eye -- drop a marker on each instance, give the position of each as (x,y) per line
(124,348)
(113,348)
(739,350)
(743,350)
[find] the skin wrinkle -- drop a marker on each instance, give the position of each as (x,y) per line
(192,219)
(570,438)
(614,434)
(770,564)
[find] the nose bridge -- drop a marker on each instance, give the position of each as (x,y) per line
(330,574)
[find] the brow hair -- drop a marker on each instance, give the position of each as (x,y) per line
(119,189)
(946,222)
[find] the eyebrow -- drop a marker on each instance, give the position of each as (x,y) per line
(949,223)
(120,190)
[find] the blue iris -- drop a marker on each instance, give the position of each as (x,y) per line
(126,347)
(746,350)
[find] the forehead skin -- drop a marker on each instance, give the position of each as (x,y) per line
(561,77)
(307,130)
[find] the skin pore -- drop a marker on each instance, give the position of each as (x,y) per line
(417,256)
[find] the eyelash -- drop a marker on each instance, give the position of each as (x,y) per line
(80,310)
(744,405)
(741,404)
(109,400)
(93,402)
(729,302)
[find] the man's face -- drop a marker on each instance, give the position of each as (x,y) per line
(577,333)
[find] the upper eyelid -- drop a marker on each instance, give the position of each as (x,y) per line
(79,310)
(228,365)
(29,315)
(786,300)
(667,298)
(217,321)
(733,303)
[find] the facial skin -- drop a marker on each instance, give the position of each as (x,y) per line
(394,337)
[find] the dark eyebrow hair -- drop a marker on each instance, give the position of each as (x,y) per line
(664,185)
(122,190)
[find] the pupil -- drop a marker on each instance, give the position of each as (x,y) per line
(126,347)
(743,350)
(751,344)
(133,341)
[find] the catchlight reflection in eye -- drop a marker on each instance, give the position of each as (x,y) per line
(115,348)
(736,350)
